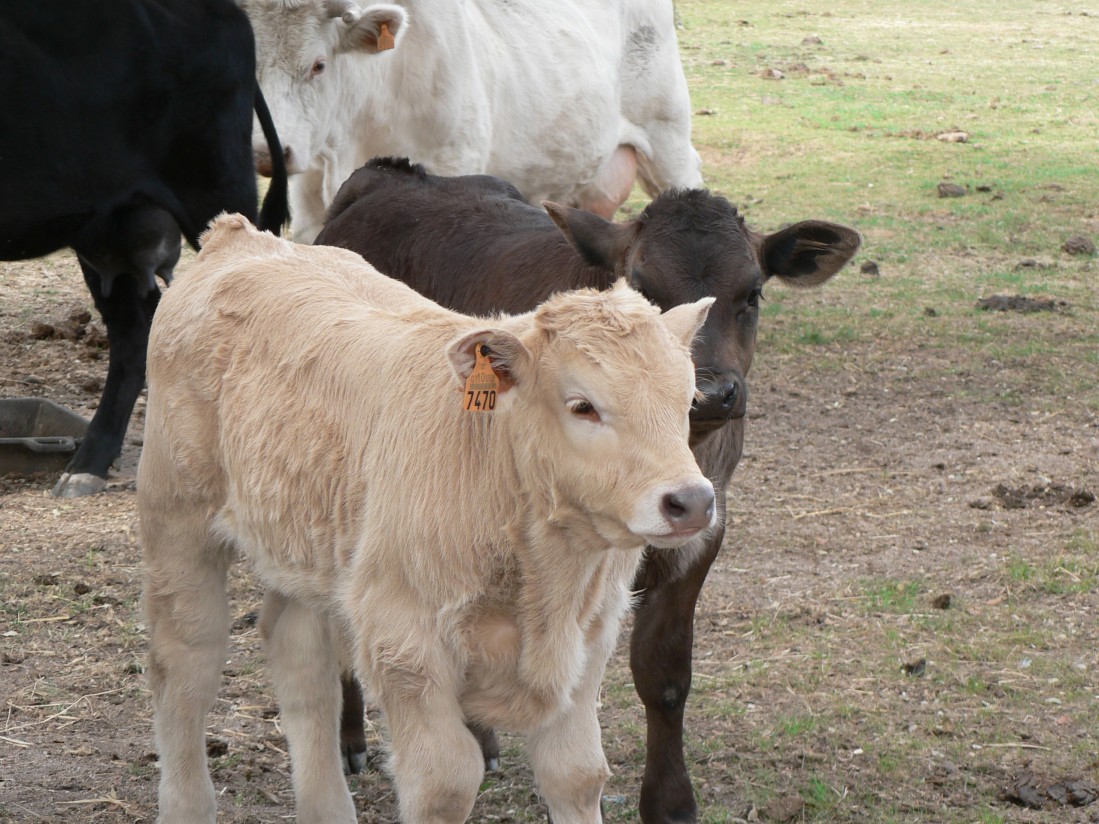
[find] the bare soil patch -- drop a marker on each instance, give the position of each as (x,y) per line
(903,626)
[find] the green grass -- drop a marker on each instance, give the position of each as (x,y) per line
(891,596)
(850,134)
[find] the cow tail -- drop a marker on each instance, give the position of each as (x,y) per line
(275,212)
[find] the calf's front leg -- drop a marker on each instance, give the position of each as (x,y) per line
(436,760)
(660,659)
(353,731)
(566,754)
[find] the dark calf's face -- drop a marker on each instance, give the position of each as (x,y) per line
(691,244)
(702,249)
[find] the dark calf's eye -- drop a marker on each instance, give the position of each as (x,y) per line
(318,69)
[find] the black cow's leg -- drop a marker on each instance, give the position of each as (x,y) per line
(660,658)
(127,317)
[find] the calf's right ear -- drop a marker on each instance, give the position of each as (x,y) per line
(600,242)
(684,320)
(510,358)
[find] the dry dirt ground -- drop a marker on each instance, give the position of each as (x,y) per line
(904,625)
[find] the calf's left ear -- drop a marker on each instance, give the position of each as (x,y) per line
(510,359)
(807,253)
(684,320)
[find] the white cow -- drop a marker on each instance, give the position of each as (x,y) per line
(568,99)
(310,415)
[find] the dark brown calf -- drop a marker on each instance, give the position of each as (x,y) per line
(472,244)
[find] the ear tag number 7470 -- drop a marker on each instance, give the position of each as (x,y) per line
(482,384)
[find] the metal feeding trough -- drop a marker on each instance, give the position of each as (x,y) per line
(37,435)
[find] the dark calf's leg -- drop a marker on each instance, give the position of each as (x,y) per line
(490,746)
(660,658)
(352,732)
(127,317)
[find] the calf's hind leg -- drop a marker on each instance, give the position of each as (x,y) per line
(188,616)
(304,658)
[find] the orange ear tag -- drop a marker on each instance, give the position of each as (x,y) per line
(482,385)
(386,40)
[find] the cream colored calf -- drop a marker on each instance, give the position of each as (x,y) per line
(312,416)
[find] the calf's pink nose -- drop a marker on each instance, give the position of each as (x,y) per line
(689,507)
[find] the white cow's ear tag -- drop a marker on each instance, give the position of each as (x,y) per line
(386,40)
(483,386)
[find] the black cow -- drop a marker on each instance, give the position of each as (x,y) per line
(124,123)
(473,244)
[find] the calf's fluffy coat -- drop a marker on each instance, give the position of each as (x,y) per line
(307,413)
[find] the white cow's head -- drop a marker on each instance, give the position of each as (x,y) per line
(303,48)
(598,394)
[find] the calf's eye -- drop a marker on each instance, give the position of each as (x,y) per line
(583,409)
(318,69)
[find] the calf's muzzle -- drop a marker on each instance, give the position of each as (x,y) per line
(725,397)
(689,507)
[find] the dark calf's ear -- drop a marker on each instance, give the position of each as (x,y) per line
(511,360)
(807,253)
(600,242)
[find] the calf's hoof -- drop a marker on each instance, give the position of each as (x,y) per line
(75,486)
(490,746)
(354,760)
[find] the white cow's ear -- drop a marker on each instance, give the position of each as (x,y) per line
(685,320)
(367,34)
(510,359)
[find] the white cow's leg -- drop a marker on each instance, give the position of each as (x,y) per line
(188,615)
(671,160)
(303,654)
(437,762)
(307,206)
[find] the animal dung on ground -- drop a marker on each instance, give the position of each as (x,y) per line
(1019,303)
(870,267)
(951,190)
(915,668)
(1078,245)
(955,136)
(1033,793)
(786,808)
(1049,494)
